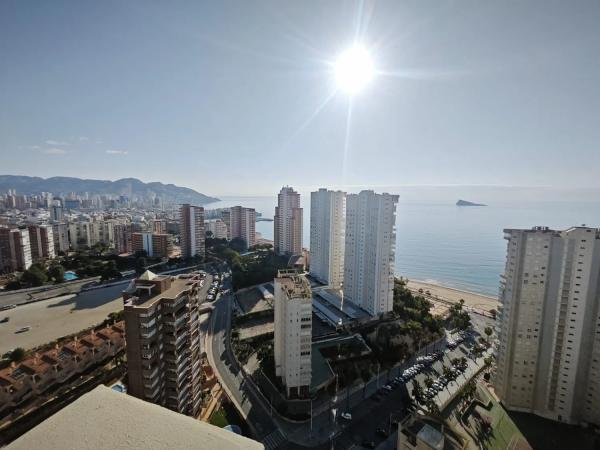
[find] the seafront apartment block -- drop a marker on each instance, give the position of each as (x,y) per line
(327,236)
(370,245)
(287,223)
(163,341)
(548,350)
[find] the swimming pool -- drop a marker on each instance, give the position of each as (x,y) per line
(70,276)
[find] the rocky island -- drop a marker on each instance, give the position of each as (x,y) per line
(466,203)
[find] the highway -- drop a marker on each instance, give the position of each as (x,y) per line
(238,390)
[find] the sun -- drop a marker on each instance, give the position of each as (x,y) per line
(354,69)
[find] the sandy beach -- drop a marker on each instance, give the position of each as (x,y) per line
(447,294)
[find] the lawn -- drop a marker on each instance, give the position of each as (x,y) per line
(504,431)
(218,418)
(228,415)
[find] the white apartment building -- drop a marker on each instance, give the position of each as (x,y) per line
(369,250)
(327,236)
(288,222)
(217,227)
(60,232)
(241,224)
(192,231)
(15,249)
(548,352)
(293,332)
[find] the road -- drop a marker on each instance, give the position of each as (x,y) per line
(23,296)
(229,375)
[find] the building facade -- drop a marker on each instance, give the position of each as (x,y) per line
(60,233)
(122,233)
(293,332)
(241,224)
(15,249)
(217,227)
(154,244)
(163,341)
(327,236)
(192,231)
(370,244)
(41,240)
(548,350)
(288,222)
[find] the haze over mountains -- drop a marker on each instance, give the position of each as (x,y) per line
(130,187)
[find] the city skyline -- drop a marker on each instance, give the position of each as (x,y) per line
(446,108)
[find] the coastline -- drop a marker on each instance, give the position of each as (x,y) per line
(453,295)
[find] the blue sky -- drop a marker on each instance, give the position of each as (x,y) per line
(221,96)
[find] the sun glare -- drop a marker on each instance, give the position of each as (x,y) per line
(354,69)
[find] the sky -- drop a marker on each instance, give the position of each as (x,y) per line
(239,97)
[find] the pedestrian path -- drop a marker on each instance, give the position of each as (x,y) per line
(273,440)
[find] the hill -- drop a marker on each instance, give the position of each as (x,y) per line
(131,187)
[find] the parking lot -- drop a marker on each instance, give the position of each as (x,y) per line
(373,419)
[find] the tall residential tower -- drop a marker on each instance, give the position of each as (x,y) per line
(548,354)
(163,341)
(192,231)
(293,332)
(241,224)
(327,236)
(288,222)
(369,250)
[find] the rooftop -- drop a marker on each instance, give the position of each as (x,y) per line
(295,283)
(104,418)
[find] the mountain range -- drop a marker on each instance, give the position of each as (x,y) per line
(130,187)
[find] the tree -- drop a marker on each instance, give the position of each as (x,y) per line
(417,391)
(448,374)
(488,331)
(34,276)
(237,244)
(13,285)
(428,382)
(141,254)
(110,271)
(57,273)
(17,354)
(140,265)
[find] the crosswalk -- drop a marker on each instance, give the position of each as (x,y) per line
(273,440)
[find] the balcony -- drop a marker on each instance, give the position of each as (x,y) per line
(150,375)
(149,333)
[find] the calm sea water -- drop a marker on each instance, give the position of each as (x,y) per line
(461,247)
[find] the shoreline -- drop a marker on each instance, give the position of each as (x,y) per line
(453,295)
(451,288)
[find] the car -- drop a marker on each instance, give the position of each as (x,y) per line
(346,415)
(381,432)
(5,307)
(5,319)
(23,329)
(388,387)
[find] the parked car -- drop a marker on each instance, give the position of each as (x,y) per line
(346,415)
(23,329)
(5,319)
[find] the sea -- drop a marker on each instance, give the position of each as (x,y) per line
(457,246)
